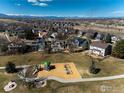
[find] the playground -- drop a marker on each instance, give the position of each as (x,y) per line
(81,62)
(61,70)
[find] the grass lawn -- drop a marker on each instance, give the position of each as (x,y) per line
(109,66)
(114,86)
(37,58)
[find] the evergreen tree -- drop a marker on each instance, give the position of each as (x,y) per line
(86,45)
(3,48)
(107,38)
(118,50)
(92,68)
(10,67)
(95,35)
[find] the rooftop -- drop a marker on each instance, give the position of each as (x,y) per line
(100,44)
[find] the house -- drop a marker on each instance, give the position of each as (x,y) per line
(15,45)
(53,35)
(32,44)
(80,33)
(99,36)
(57,46)
(79,44)
(115,39)
(41,44)
(89,34)
(42,34)
(100,48)
(18,44)
(18,33)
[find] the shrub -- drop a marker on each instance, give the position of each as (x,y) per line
(118,50)
(10,68)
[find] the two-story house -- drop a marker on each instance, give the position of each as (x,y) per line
(100,48)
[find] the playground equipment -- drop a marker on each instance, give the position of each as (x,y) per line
(47,65)
(36,69)
(67,69)
(10,86)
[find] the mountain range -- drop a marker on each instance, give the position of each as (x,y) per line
(31,16)
(53,17)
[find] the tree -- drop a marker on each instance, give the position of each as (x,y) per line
(92,68)
(102,36)
(48,47)
(107,38)
(94,35)
(10,68)
(76,31)
(118,50)
(3,48)
(29,35)
(24,49)
(86,45)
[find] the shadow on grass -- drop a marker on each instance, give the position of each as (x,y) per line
(97,70)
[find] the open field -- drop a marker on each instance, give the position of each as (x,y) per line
(8,21)
(115,31)
(109,66)
(114,86)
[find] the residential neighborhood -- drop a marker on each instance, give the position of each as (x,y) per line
(35,45)
(61,46)
(65,38)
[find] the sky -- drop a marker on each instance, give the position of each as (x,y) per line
(65,8)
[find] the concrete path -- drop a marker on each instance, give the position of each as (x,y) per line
(77,80)
(86,79)
(21,66)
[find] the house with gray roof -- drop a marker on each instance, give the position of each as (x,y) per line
(100,48)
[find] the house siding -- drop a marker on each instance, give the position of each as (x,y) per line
(97,50)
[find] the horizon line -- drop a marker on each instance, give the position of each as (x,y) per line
(32,15)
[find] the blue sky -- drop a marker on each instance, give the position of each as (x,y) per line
(81,8)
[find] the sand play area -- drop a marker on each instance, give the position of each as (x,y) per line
(61,70)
